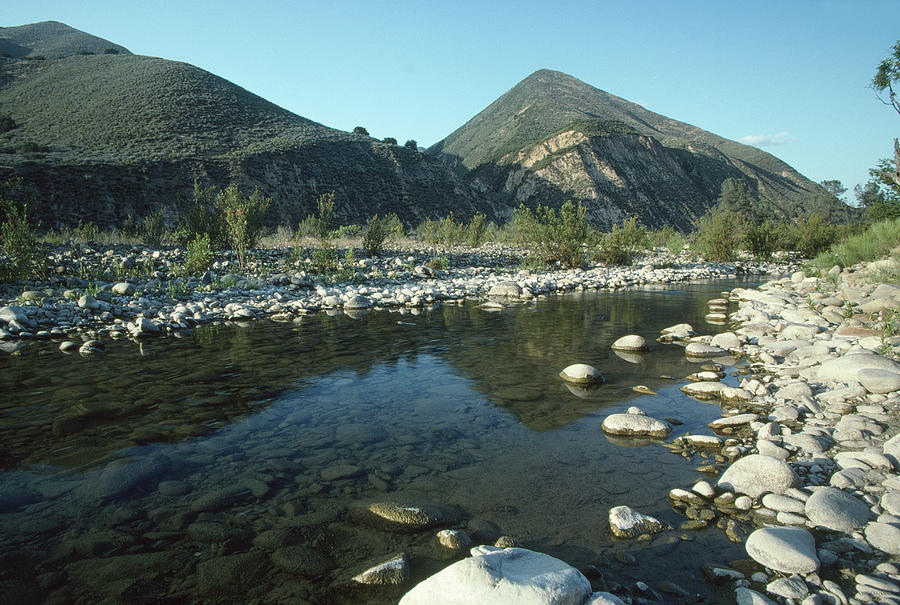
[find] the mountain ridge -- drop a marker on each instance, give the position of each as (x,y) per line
(547,103)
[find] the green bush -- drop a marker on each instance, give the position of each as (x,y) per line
(153,228)
(198,255)
(555,237)
(18,242)
(619,246)
(6,124)
(202,215)
(324,222)
(878,240)
(717,235)
(243,218)
(477,230)
(377,231)
(813,235)
(762,239)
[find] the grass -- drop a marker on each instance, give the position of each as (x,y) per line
(879,240)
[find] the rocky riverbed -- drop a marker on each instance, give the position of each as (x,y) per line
(100,292)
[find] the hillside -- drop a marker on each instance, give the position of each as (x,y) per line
(101,137)
(552,137)
(52,40)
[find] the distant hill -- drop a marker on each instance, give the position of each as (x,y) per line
(101,137)
(552,137)
(52,40)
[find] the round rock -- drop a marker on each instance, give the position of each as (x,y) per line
(632,342)
(698,349)
(635,424)
(847,367)
(625,522)
(786,549)
(837,510)
(884,537)
(581,373)
(494,576)
(756,474)
(879,381)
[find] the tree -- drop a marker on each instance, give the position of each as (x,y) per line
(411,144)
(834,187)
(361,130)
(390,140)
(735,197)
(886,75)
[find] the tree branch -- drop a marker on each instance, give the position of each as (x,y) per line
(894,176)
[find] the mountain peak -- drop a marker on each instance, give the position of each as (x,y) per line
(53,40)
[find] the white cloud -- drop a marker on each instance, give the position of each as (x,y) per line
(762,140)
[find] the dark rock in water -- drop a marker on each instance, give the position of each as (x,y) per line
(103,573)
(218,499)
(302,561)
(273,539)
(391,572)
(13,497)
(211,532)
(119,479)
(392,516)
(231,573)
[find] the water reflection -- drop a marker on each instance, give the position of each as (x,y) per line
(155,474)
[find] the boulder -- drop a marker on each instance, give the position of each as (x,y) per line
(625,522)
(879,381)
(635,424)
(756,474)
(581,373)
(884,537)
(703,390)
(847,367)
(632,342)
(837,510)
(397,517)
(494,576)
(698,349)
(505,288)
(391,572)
(726,340)
(786,549)
(358,302)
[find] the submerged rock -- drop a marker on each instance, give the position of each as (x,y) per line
(391,572)
(493,576)
(397,517)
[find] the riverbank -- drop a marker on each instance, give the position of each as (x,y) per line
(98,292)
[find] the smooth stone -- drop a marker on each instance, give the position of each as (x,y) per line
(747,596)
(788,588)
(408,518)
(853,478)
(890,502)
(837,510)
(123,288)
(625,522)
(785,549)
(756,474)
(358,302)
(782,503)
(505,288)
(581,373)
(879,381)
(884,537)
(635,424)
(454,539)
(632,342)
(726,340)
(698,349)
(391,572)
(703,390)
(493,576)
(604,598)
(769,448)
(847,367)
(732,421)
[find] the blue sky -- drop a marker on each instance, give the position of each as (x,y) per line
(788,76)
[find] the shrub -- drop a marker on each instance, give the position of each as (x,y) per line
(620,246)
(153,228)
(813,235)
(198,255)
(390,140)
(717,235)
(361,130)
(477,230)
(18,242)
(6,124)
(762,239)
(243,218)
(202,215)
(555,237)
(325,220)
(377,232)
(411,144)
(876,241)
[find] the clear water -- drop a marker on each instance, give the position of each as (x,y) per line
(157,472)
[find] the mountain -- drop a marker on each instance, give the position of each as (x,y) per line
(104,136)
(53,40)
(552,138)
